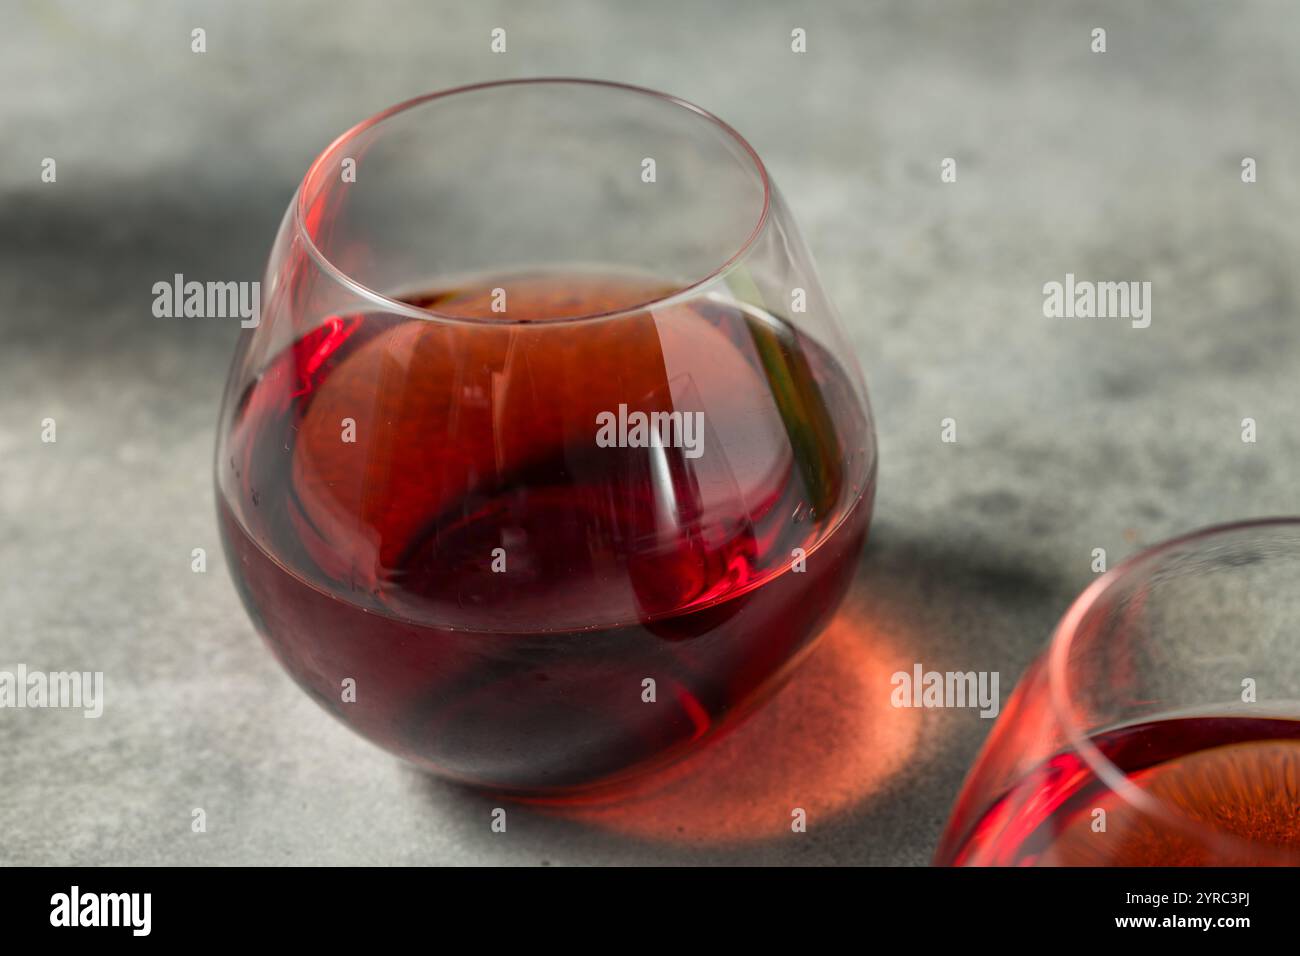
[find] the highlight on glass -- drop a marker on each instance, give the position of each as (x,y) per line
(1162,725)
(548,459)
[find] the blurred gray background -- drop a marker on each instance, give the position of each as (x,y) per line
(1071,435)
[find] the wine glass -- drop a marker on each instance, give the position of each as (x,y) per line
(1162,725)
(546,460)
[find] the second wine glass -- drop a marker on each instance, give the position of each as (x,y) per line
(1162,725)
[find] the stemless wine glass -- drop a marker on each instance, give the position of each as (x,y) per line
(1162,725)
(547,459)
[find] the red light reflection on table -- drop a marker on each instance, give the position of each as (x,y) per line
(828,740)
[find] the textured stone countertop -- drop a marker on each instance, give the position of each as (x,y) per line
(1072,434)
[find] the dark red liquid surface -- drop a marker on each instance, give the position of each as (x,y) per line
(474,443)
(1227,789)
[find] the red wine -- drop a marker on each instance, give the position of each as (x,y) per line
(423,507)
(1229,788)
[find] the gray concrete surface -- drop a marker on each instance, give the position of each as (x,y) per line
(1072,435)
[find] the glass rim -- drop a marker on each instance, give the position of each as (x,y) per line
(390,304)
(1058,663)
